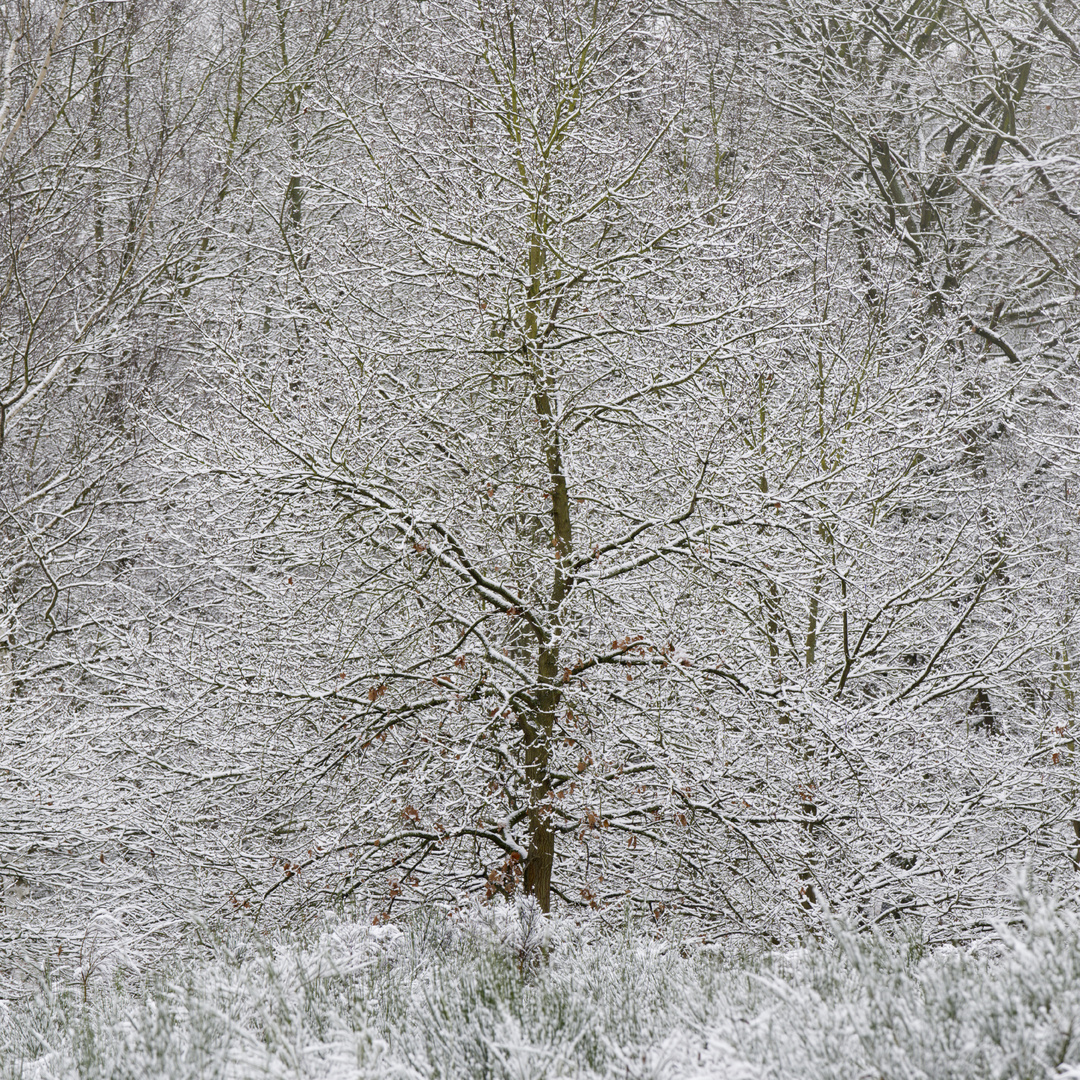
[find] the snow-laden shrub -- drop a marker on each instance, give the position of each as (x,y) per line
(890,1008)
(503,992)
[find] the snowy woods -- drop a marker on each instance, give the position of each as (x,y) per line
(619,453)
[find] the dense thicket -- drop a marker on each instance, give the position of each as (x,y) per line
(589,449)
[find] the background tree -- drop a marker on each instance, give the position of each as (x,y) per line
(940,127)
(103,104)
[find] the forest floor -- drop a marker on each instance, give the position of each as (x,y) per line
(502,992)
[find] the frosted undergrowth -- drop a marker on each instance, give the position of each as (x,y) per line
(506,993)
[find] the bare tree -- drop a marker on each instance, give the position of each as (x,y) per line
(601,488)
(101,104)
(512,298)
(490,448)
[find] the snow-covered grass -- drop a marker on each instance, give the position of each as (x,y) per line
(505,993)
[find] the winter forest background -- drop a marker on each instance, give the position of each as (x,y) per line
(617,453)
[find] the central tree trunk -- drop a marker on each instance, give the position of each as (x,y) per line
(539,732)
(538,735)
(539,863)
